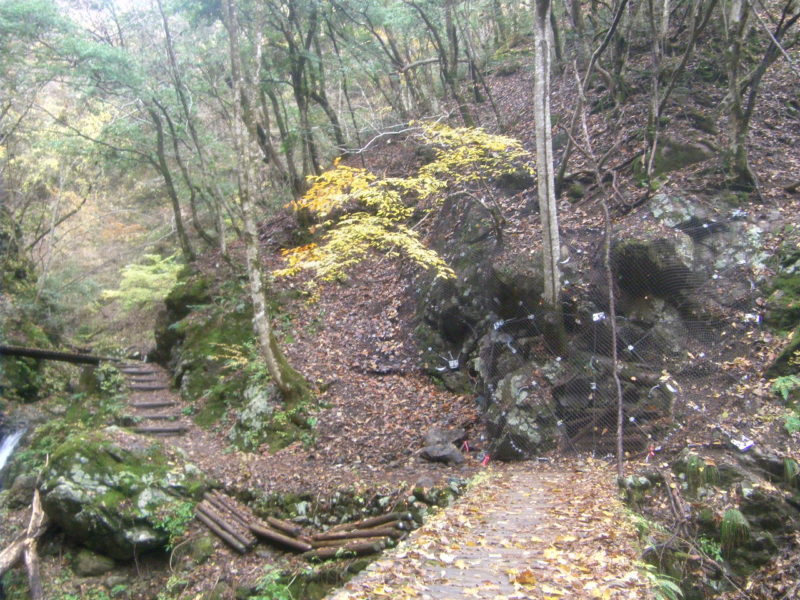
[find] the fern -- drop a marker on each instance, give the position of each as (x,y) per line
(145,285)
(784,386)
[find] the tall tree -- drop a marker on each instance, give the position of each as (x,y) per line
(292,386)
(548,210)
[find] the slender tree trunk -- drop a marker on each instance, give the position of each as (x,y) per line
(736,28)
(290,383)
(162,166)
(548,211)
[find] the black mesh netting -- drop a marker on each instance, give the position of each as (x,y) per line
(685,324)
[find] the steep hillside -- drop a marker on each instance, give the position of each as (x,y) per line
(680,293)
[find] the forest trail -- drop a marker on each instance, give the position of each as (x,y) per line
(154,408)
(534,530)
(528,530)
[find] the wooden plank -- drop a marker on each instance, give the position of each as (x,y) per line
(159,417)
(157,404)
(177,429)
(143,387)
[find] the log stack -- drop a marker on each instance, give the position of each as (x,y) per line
(240,529)
(359,538)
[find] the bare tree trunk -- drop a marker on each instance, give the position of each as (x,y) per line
(736,28)
(548,211)
(161,165)
(291,384)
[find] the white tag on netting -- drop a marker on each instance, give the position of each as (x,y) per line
(598,316)
(751,318)
(630,347)
(498,324)
(593,386)
(744,444)
(453,363)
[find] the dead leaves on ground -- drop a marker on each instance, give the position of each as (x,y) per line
(530,531)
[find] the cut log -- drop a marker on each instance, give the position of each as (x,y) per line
(241,533)
(285,527)
(280,539)
(221,502)
(373,521)
(392,532)
(358,533)
(222,534)
(340,543)
(347,551)
(157,404)
(70,357)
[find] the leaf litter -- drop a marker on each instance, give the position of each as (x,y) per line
(523,530)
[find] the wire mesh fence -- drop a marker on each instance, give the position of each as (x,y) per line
(685,314)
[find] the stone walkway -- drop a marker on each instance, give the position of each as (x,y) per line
(530,530)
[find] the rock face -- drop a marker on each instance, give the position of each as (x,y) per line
(485,332)
(521,418)
(110,492)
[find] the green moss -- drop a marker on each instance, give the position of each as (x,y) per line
(783,365)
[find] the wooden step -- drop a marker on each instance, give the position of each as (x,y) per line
(137,387)
(174,417)
(138,371)
(157,430)
(158,404)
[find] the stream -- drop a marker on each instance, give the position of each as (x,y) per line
(7,445)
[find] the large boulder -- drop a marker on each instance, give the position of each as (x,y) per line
(113,493)
(520,417)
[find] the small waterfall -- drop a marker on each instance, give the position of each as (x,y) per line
(7,446)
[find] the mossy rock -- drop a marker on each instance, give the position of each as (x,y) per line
(784,302)
(191,290)
(90,564)
(672,155)
(113,494)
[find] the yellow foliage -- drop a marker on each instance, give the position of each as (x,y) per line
(469,154)
(368,213)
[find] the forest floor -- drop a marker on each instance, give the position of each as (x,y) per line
(525,531)
(522,530)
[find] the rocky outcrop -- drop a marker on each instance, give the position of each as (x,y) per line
(112,493)
(688,270)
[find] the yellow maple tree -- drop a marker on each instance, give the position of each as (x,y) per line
(361,213)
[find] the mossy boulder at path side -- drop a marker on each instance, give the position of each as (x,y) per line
(113,492)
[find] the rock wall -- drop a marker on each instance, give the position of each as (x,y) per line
(680,274)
